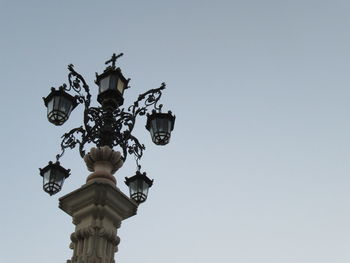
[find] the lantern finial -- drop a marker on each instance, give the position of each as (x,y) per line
(113,59)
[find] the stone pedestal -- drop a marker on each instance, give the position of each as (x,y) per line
(97,209)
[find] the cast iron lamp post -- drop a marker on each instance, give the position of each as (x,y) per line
(98,207)
(107,125)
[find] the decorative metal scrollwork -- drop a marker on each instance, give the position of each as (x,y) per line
(108,126)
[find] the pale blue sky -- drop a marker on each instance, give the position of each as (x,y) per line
(258,166)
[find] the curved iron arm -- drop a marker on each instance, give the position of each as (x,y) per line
(74,79)
(128,142)
(70,141)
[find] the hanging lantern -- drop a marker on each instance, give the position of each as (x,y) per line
(53,177)
(111,84)
(160,126)
(138,186)
(59,105)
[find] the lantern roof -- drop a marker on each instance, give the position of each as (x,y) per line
(137,176)
(55,165)
(155,115)
(60,92)
(112,69)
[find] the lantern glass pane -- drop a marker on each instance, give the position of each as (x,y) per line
(104,84)
(154,126)
(59,177)
(162,124)
(145,188)
(120,86)
(60,181)
(56,102)
(160,130)
(113,82)
(142,186)
(50,106)
(133,187)
(65,106)
(46,177)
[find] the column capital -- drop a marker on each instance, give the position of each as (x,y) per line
(97,209)
(98,199)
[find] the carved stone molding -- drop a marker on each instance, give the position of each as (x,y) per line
(94,244)
(103,162)
(97,209)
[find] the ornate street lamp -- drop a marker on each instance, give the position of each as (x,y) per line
(106,125)
(160,125)
(138,186)
(53,177)
(59,105)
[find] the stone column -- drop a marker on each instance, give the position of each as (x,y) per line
(97,209)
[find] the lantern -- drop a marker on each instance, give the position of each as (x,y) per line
(138,186)
(59,105)
(53,177)
(160,126)
(111,84)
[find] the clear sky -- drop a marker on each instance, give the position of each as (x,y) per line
(258,166)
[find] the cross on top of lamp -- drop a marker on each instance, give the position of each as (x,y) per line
(111,84)
(106,125)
